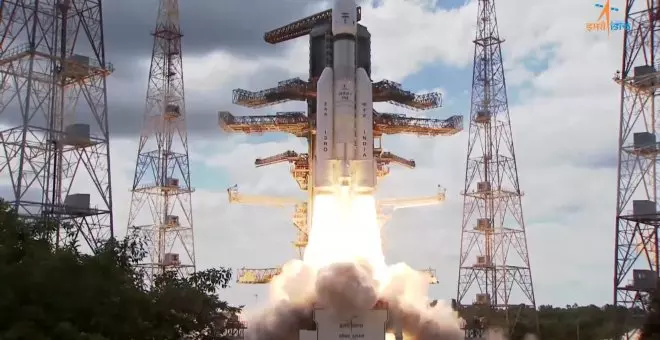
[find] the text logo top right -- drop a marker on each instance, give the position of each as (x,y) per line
(605,21)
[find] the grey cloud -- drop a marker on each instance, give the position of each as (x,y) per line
(208,25)
(605,159)
(126,102)
(234,25)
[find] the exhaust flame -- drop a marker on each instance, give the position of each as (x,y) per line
(345,230)
(344,269)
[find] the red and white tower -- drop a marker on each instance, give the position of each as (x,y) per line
(637,218)
(161,209)
(494,270)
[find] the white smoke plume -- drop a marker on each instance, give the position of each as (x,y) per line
(344,271)
(348,288)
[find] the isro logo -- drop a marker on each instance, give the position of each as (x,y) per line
(345,16)
(605,21)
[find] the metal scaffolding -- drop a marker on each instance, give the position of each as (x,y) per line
(53,106)
(161,207)
(302,27)
(265,275)
(299,125)
(391,124)
(300,90)
(295,123)
(385,208)
(494,261)
(637,217)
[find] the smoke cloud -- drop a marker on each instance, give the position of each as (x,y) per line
(280,321)
(346,289)
(344,271)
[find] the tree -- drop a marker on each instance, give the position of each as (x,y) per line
(49,293)
(651,328)
(571,322)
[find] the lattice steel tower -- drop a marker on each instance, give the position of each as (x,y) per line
(161,208)
(637,218)
(494,261)
(53,111)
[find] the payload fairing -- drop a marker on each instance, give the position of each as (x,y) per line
(344,154)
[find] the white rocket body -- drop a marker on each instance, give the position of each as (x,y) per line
(344,154)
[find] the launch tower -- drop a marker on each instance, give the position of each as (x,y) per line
(161,208)
(637,217)
(494,262)
(53,107)
(301,124)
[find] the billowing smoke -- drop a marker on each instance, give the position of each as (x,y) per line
(280,321)
(344,271)
(406,293)
(346,289)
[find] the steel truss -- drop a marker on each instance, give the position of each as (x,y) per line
(161,208)
(494,260)
(637,218)
(54,117)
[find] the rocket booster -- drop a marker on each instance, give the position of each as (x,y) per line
(344,154)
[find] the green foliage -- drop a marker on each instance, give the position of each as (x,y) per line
(579,322)
(571,322)
(651,329)
(49,293)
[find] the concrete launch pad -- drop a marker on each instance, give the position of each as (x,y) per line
(368,325)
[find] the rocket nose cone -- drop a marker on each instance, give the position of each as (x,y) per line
(344,17)
(344,4)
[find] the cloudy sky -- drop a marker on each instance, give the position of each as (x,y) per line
(563,106)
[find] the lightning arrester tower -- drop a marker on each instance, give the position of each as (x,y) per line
(161,208)
(53,109)
(637,218)
(494,263)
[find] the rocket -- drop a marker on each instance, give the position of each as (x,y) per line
(344,156)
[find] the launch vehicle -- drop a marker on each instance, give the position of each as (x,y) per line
(344,155)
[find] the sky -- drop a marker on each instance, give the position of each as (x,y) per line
(563,105)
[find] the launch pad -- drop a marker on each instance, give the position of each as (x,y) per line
(368,325)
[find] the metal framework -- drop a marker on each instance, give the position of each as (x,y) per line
(300,90)
(161,208)
(301,27)
(53,111)
(299,215)
(385,208)
(233,327)
(265,275)
(494,262)
(299,125)
(637,218)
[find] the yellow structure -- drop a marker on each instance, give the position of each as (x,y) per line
(265,275)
